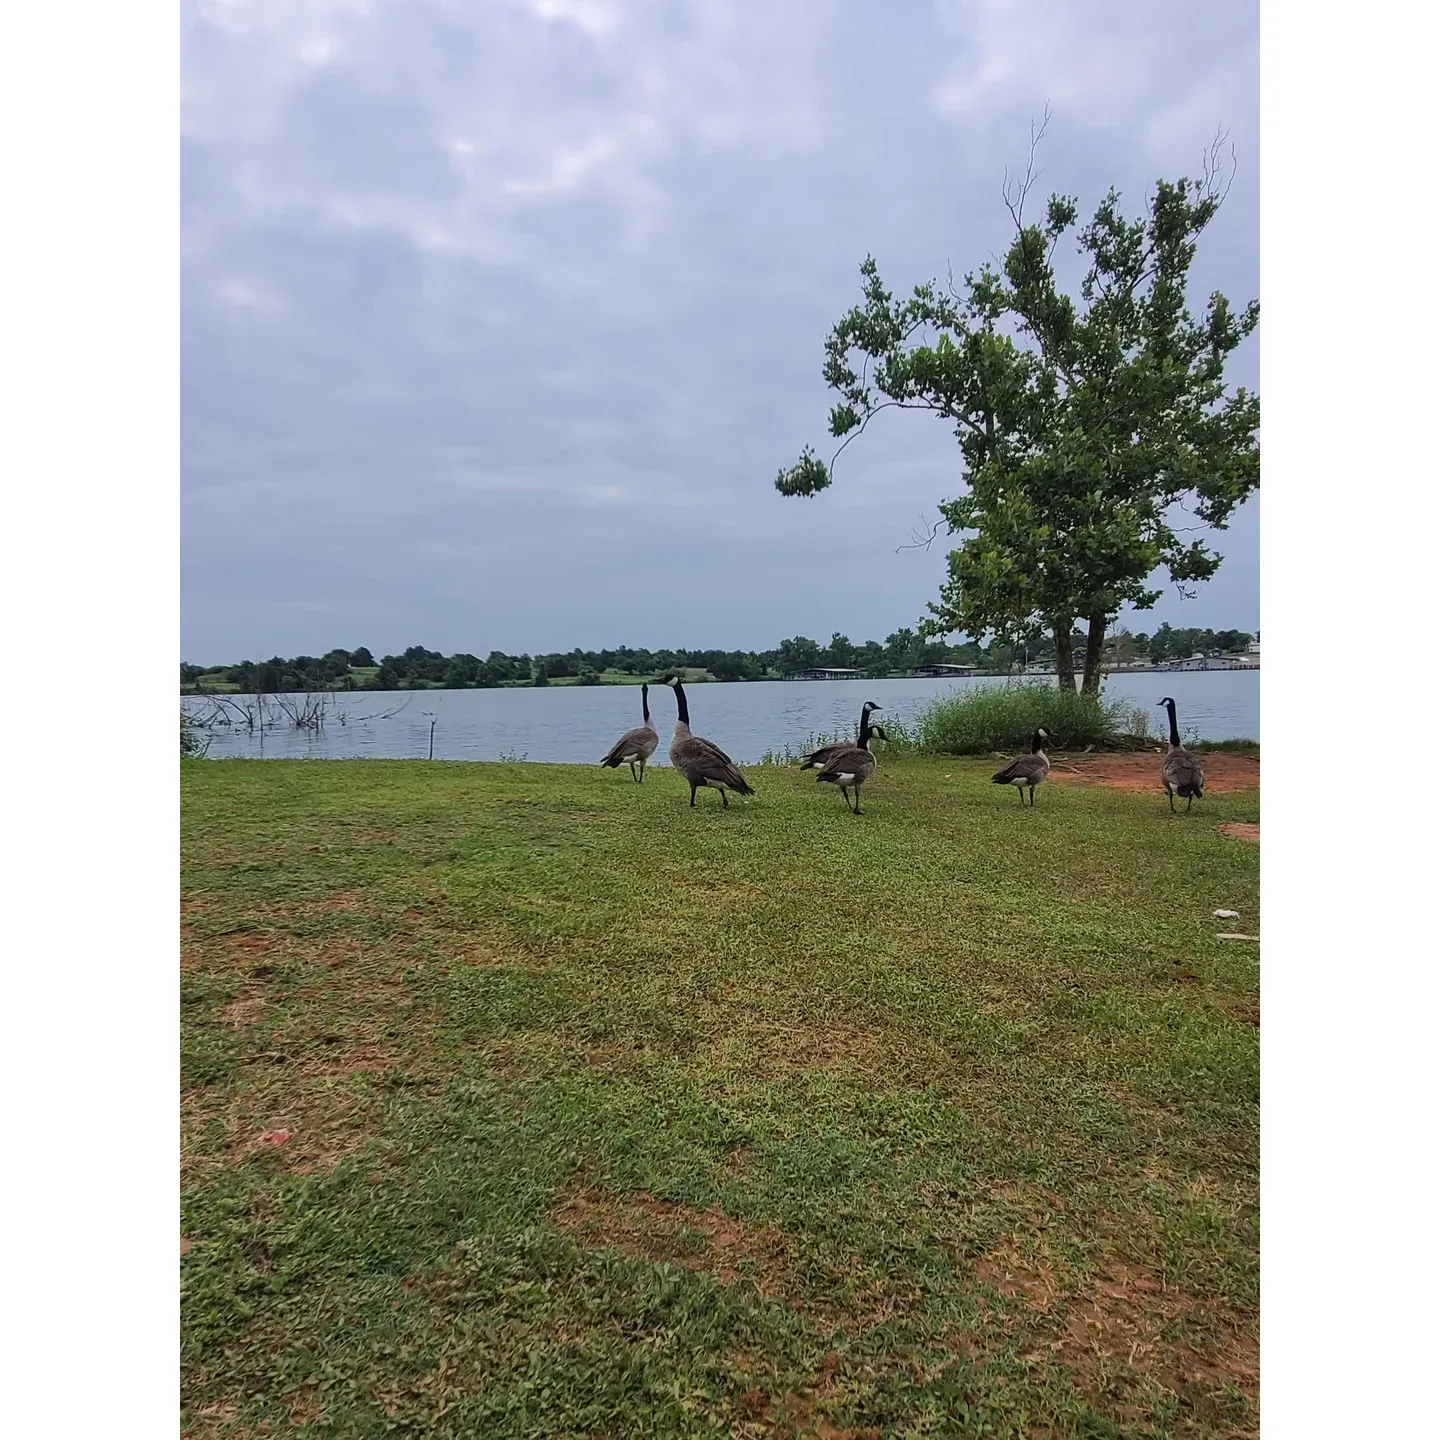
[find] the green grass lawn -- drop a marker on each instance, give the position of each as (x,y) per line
(608,1117)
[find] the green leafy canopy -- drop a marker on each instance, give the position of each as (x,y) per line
(1084,422)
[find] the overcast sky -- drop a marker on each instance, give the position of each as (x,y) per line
(499,318)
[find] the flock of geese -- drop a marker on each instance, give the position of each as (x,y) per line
(706,766)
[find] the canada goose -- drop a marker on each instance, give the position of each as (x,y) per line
(700,761)
(1180,772)
(1028,770)
(636,745)
(819,759)
(850,766)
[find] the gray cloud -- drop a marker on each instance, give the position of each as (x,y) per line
(499,319)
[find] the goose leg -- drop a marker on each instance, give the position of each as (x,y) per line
(846,794)
(1032,797)
(632,770)
(857,800)
(725,803)
(1171,794)
(693,789)
(642,772)
(1189,801)
(1020,794)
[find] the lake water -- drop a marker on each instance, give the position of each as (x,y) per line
(577,725)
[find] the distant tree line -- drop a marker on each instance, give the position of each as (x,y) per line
(420,669)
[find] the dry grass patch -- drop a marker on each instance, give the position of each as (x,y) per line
(797,1413)
(1240,830)
(369,1057)
(340,900)
(661,1230)
(310,1124)
(766,1049)
(1019,1277)
(1245,1011)
(244,1009)
(1126,1318)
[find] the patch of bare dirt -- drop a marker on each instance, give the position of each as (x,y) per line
(185,1245)
(793,1413)
(1031,1279)
(244,1009)
(248,942)
(1240,830)
(310,1126)
(1247,1012)
(1121,1319)
(1139,774)
(367,1058)
(738,1159)
(767,1048)
(706,1240)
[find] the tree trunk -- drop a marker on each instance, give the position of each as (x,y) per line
(1064,655)
(1094,648)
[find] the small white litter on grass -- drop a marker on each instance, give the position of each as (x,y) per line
(1226,914)
(1255,938)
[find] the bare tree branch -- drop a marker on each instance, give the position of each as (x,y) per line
(1212,165)
(870,415)
(1015,193)
(921,541)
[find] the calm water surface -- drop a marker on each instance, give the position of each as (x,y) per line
(574,725)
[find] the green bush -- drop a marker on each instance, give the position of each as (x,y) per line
(190,740)
(983,718)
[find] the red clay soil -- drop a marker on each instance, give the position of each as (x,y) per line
(1223,771)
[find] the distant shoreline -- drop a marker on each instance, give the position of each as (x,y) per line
(568,682)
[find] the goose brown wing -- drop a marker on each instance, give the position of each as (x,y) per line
(848,760)
(698,760)
(714,764)
(715,750)
(629,743)
(1182,770)
(1022,769)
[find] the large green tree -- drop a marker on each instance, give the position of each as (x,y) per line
(1096,431)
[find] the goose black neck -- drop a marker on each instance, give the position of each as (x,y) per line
(680,705)
(866,730)
(1174,728)
(645,702)
(1037,743)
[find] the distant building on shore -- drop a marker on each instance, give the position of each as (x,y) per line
(937,671)
(826,672)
